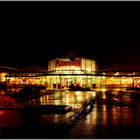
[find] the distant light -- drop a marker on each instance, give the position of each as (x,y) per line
(117,73)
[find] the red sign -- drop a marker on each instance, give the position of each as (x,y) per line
(59,63)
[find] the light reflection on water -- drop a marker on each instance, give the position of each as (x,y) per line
(114,115)
(73,99)
(103,120)
(10,119)
(102,114)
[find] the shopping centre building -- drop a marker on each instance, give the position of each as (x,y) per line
(73,70)
(60,74)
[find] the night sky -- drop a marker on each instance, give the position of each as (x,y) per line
(34,32)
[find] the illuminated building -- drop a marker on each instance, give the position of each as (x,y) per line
(65,71)
(60,74)
(4,71)
(27,75)
(118,75)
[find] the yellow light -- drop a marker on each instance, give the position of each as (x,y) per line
(104,89)
(88,69)
(93,93)
(104,96)
(117,73)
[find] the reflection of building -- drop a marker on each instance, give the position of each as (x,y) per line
(75,70)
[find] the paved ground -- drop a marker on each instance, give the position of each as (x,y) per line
(105,121)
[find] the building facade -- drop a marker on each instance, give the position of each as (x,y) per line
(64,72)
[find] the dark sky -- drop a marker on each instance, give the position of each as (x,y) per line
(34,32)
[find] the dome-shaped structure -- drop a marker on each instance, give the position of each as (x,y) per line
(71,69)
(71,62)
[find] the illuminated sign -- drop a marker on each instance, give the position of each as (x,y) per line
(59,63)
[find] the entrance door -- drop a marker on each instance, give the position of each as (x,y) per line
(67,82)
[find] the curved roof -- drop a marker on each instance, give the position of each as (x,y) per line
(72,55)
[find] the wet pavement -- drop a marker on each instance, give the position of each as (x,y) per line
(104,121)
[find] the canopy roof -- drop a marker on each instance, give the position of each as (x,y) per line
(32,69)
(123,68)
(7,69)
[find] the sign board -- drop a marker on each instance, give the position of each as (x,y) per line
(76,62)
